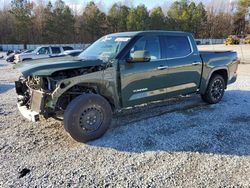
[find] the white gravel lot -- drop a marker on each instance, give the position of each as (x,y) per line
(181,142)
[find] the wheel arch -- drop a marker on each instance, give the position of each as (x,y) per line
(95,88)
(223,71)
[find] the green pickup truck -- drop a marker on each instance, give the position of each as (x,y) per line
(118,71)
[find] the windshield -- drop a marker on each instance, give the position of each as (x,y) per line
(105,48)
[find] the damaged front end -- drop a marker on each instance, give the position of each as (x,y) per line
(49,85)
(31,96)
(30,100)
(50,95)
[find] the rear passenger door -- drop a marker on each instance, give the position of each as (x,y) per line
(184,64)
(55,51)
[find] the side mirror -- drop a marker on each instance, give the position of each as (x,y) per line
(140,56)
(37,53)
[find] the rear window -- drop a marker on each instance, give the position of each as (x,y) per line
(65,48)
(176,46)
(55,50)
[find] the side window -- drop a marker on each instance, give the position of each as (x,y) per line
(176,46)
(150,44)
(55,50)
(65,48)
(44,50)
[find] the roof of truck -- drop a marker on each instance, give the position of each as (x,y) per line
(134,33)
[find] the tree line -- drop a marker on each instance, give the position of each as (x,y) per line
(26,22)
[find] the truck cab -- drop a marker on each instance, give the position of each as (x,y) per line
(173,67)
(118,71)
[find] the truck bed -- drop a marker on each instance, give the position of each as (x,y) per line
(227,60)
(218,56)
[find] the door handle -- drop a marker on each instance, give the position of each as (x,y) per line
(196,63)
(162,67)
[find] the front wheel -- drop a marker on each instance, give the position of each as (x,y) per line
(215,90)
(87,117)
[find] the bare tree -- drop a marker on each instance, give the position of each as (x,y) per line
(219,19)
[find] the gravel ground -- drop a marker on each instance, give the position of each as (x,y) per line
(180,142)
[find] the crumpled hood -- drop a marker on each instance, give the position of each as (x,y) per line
(47,66)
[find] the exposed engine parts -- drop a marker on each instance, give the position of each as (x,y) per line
(35,83)
(49,83)
(30,85)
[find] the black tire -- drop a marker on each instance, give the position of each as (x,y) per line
(87,117)
(215,90)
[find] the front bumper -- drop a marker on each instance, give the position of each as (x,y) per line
(30,102)
(28,114)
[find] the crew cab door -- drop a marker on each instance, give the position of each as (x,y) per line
(142,82)
(184,64)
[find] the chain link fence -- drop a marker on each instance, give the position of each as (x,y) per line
(6,47)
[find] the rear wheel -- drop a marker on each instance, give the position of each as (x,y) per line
(87,117)
(215,90)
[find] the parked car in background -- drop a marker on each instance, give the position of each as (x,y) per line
(71,53)
(42,52)
(11,54)
(10,58)
(118,71)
